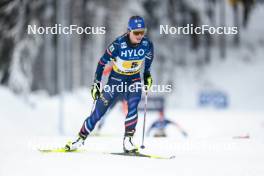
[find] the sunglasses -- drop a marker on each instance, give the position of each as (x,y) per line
(141,32)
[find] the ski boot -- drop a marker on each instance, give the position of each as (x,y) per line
(128,144)
(78,143)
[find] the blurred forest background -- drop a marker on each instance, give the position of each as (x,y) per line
(56,63)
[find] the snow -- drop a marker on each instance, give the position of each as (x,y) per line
(219,143)
(213,157)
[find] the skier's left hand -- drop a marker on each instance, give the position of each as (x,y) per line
(95,91)
(147,80)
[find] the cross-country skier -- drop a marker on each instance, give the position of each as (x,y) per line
(161,124)
(127,52)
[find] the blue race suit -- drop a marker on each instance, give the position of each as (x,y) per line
(127,62)
(160,124)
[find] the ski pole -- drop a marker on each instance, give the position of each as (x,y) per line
(144,122)
(183,132)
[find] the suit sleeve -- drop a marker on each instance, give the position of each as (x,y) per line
(149,58)
(110,52)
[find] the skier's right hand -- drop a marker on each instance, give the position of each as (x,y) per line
(96,90)
(147,80)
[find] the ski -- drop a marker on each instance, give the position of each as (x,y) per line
(137,154)
(61,150)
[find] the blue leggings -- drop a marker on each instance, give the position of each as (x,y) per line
(107,98)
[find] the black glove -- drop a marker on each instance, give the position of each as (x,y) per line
(147,80)
(96,90)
